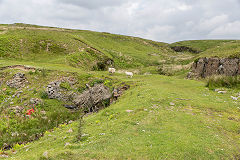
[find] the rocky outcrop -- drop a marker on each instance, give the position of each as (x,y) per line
(92,99)
(184,49)
(17,81)
(205,67)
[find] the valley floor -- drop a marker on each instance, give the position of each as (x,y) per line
(158,118)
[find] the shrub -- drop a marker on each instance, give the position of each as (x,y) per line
(44,72)
(43,94)
(96,81)
(31,72)
(81,89)
(223,81)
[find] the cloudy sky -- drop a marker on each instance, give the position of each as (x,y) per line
(161,20)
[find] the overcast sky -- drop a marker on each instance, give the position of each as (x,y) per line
(160,20)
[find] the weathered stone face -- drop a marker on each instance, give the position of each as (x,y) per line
(211,67)
(206,67)
(230,66)
(198,67)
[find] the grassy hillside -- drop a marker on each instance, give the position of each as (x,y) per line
(201,45)
(160,118)
(213,48)
(79,48)
(225,50)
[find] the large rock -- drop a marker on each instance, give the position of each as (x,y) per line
(17,81)
(91,99)
(206,67)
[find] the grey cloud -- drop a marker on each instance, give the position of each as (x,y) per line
(93,4)
(160,20)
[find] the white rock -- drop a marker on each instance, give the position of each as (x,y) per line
(129,111)
(234,98)
(222,92)
(45,154)
(70,130)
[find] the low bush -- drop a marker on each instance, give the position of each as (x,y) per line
(43,94)
(223,81)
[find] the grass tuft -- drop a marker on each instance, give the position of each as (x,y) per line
(223,81)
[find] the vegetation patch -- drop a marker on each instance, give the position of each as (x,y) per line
(223,81)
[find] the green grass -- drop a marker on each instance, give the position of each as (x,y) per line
(201,125)
(223,81)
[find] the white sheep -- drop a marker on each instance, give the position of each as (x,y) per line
(111,70)
(130,74)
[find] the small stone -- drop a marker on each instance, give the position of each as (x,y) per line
(129,111)
(45,154)
(66,144)
(222,92)
(70,130)
(101,134)
(234,98)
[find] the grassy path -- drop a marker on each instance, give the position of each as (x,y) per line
(160,118)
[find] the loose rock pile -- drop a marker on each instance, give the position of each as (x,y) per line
(35,101)
(17,109)
(55,91)
(18,81)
